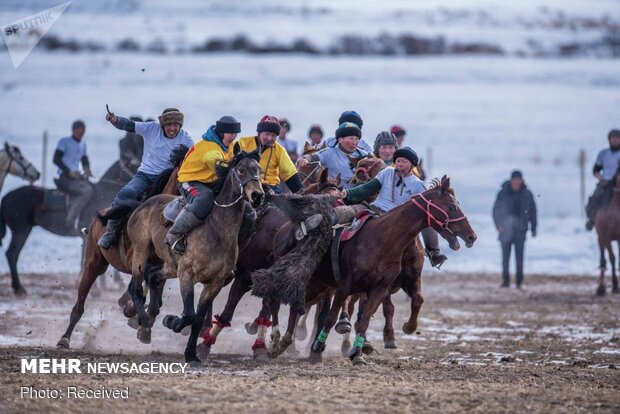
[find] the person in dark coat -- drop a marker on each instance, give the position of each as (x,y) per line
(514,213)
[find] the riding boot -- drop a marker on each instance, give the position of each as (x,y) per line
(308,224)
(185,222)
(431,242)
(247,224)
(111,234)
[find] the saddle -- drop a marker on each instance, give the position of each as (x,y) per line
(358,222)
(55,199)
(345,234)
(173,208)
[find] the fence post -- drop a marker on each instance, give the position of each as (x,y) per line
(44,161)
(582,188)
(429,162)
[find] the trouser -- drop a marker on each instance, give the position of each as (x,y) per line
(81,192)
(599,199)
(135,188)
(519,253)
(200,198)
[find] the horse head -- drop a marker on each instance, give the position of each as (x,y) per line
(325,185)
(444,213)
(244,171)
(366,169)
(18,165)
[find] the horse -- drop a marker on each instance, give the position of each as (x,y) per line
(268,242)
(372,260)
(97,260)
(13,162)
(366,169)
(29,206)
(212,247)
(607,224)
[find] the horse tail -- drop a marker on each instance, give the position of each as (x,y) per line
(119,212)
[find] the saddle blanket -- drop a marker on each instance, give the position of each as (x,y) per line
(54,200)
(358,222)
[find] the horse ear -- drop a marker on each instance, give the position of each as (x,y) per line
(324,145)
(236,149)
(445,184)
(259,146)
(323,177)
(307,147)
(338,178)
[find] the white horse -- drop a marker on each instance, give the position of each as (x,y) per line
(13,162)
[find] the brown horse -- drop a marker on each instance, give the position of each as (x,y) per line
(212,247)
(607,223)
(366,169)
(269,241)
(97,260)
(372,260)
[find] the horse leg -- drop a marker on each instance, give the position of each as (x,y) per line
(156,290)
(318,346)
(301,332)
(92,269)
(415,292)
(259,348)
(274,340)
(343,326)
(289,336)
(373,300)
(346,336)
(389,340)
(18,239)
(239,287)
(614,278)
(600,291)
(204,303)
(189,314)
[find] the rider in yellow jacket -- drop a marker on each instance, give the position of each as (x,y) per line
(275,162)
(197,175)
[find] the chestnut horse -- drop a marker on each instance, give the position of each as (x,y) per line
(607,223)
(372,261)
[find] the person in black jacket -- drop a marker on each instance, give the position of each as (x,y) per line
(514,212)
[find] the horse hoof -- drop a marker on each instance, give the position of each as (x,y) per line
(261,354)
(133,322)
(251,328)
(129,310)
(64,343)
(343,326)
(367,348)
(285,343)
(301,333)
(358,360)
(203,350)
(315,358)
(390,344)
(193,362)
(186,331)
(144,335)
(20,292)
(600,291)
(409,329)
(318,346)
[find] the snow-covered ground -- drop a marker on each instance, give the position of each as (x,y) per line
(479,116)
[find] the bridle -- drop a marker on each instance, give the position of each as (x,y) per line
(431,217)
(311,172)
(17,162)
(242,185)
(366,170)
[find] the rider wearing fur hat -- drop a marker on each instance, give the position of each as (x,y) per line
(160,138)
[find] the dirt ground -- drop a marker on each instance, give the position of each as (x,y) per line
(554,347)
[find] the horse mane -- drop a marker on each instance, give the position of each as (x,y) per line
(436,183)
(222,169)
(176,158)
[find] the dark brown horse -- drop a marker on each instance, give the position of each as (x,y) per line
(29,206)
(371,261)
(269,241)
(607,225)
(97,260)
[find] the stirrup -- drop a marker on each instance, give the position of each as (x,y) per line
(432,254)
(178,248)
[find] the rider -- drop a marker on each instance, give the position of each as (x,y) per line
(399,132)
(395,185)
(275,162)
(604,170)
(315,135)
(289,145)
(353,117)
(160,138)
(197,175)
(385,145)
(70,151)
(337,158)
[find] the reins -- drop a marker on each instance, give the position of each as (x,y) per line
(431,217)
